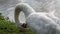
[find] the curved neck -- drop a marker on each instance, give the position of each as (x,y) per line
(22,7)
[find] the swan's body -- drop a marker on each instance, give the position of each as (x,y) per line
(40,23)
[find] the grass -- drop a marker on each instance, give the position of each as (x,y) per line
(7,27)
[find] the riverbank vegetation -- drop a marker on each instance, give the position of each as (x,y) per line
(8,27)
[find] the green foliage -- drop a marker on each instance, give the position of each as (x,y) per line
(7,27)
(1,17)
(0,13)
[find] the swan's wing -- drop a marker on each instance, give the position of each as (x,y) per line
(41,24)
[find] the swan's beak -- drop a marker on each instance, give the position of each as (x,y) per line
(24,25)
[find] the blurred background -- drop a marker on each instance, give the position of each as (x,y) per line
(7,7)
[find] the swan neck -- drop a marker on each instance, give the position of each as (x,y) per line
(27,10)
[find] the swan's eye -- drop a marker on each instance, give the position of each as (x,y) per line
(24,25)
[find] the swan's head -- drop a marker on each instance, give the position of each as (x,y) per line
(24,25)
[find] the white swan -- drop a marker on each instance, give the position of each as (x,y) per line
(40,23)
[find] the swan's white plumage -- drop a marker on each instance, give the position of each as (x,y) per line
(40,23)
(22,7)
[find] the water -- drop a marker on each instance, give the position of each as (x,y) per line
(7,6)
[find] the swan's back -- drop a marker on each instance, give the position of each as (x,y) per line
(41,24)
